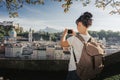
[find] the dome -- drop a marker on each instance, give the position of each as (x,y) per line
(12,33)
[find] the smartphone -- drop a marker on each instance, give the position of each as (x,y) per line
(69,31)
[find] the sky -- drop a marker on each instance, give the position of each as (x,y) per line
(52,15)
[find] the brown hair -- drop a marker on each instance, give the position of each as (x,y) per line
(86,19)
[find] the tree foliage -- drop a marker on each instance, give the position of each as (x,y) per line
(115,4)
(57,36)
(106,34)
(13,5)
(2,32)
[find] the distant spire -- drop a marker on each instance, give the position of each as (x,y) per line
(30,35)
(30,30)
(41,39)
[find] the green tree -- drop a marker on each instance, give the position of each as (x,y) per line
(13,5)
(109,33)
(102,34)
(24,34)
(94,33)
(2,31)
(53,37)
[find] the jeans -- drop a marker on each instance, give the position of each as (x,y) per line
(72,76)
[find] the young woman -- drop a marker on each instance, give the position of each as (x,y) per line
(83,23)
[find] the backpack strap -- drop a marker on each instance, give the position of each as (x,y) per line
(90,39)
(74,56)
(82,39)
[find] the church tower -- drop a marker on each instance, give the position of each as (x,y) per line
(30,35)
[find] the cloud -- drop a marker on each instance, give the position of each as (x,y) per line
(33,10)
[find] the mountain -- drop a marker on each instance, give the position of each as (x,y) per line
(50,30)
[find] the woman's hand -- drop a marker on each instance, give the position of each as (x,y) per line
(65,32)
(64,42)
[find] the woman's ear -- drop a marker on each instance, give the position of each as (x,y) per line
(79,23)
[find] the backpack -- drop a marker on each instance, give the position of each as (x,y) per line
(91,61)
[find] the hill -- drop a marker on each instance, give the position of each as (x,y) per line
(50,30)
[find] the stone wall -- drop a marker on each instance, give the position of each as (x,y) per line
(42,65)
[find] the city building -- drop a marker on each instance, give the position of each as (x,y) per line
(34,56)
(13,50)
(30,35)
(27,52)
(2,48)
(42,52)
(50,50)
(39,53)
(59,53)
(66,53)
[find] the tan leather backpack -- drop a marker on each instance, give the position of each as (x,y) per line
(91,61)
